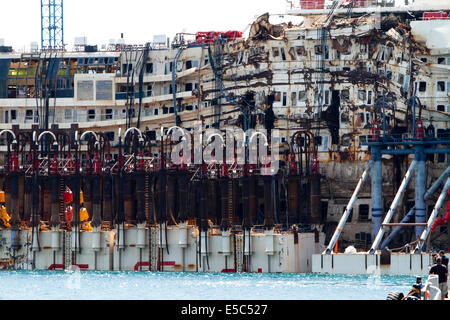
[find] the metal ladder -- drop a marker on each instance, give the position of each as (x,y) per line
(147,202)
(67,247)
(239,253)
(153,254)
(62,189)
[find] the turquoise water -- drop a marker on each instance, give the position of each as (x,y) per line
(65,285)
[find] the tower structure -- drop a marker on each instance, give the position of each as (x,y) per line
(52,25)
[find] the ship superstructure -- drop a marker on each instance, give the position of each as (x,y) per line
(100,122)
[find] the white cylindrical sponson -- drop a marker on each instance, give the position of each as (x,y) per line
(140,243)
(226,249)
(269,242)
(183,241)
(96,246)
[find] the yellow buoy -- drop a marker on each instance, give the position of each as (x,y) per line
(84,215)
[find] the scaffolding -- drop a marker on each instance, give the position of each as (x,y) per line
(52,25)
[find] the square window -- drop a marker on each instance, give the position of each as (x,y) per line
(441,86)
(363,213)
(422,86)
(91,114)
(441,60)
(29,114)
(441,107)
(108,114)
(68,114)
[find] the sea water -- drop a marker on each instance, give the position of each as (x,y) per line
(76,285)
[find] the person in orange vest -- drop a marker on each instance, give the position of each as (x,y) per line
(84,215)
(4,216)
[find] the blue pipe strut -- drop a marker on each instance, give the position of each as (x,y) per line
(377,191)
(411,212)
(420,189)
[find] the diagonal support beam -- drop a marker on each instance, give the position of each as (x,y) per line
(393,207)
(349,208)
(433,216)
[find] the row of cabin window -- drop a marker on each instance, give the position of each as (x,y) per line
(299,98)
(91,115)
(151,67)
(299,52)
(441,86)
(167,89)
(439,60)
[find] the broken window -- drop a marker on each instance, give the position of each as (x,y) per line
(401,78)
(327,97)
(293,98)
(440,107)
(302,96)
(389,75)
(424,60)
(283,54)
(362,95)
(345,94)
(300,51)
(422,86)
(318,51)
(359,121)
(363,139)
(149,91)
(363,48)
(188,64)
(441,86)
(277,97)
(324,144)
(346,141)
(344,118)
(275,52)
(441,60)
(284,99)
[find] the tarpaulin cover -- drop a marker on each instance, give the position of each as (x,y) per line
(4,69)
